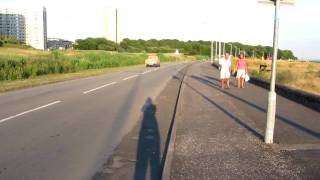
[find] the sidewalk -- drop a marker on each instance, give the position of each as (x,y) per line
(219,133)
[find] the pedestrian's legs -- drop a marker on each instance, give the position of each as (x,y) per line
(228,82)
(222,83)
(238,82)
(242,82)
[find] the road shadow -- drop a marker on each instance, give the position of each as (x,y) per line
(232,116)
(148,150)
(290,122)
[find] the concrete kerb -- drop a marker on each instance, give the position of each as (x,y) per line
(310,100)
(166,166)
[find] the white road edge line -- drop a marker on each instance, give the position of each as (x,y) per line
(133,76)
(29,111)
(146,72)
(86,92)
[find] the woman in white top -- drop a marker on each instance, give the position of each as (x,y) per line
(225,69)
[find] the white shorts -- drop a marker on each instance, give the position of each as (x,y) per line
(224,74)
(241,73)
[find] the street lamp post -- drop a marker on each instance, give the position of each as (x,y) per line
(272,94)
(216,52)
(224,48)
(219,57)
(211,59)
(271,113)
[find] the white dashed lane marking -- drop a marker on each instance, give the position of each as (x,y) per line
(130,77)
(86,92)
(29,111)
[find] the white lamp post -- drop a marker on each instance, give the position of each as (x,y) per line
(271,114)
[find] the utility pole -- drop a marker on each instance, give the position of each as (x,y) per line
(117,29)
(219,51)
(224,48)
(211,59)
(271,114)
(216,52)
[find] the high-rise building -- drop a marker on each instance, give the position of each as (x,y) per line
(13,25)
(27,25)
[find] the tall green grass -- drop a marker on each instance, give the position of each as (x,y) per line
(174,58)
(13,67)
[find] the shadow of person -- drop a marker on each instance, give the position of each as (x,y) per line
(148,152)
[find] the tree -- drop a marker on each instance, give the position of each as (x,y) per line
(170,45)
(95,44)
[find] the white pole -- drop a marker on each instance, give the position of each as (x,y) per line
(216,52)
(272,94)
(224,48)
(219,51)
(211,59)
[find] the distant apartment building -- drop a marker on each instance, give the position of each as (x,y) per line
(28,25)
(13,25)
(55,43)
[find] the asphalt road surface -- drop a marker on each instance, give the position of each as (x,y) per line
(67,130)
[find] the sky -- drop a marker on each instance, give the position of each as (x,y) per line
(245,21)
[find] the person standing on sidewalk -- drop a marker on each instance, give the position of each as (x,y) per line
(225,70)
(242,70)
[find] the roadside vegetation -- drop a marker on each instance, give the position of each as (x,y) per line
(296,74)
(21,67)
(23,64)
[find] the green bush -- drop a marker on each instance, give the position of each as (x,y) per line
(285,77)
(16,67)
(260,74)
(164,58)
(201,57)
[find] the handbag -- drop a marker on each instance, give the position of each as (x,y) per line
(247,77)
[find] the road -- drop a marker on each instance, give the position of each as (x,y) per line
(67,130)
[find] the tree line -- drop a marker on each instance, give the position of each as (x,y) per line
(170,45)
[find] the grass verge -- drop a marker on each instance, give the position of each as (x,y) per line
(53,78)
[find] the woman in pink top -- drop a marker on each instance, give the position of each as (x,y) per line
(242,70)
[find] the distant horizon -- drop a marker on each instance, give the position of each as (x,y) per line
(247,21)
(310,59)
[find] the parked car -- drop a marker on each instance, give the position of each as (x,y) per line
(152,61)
